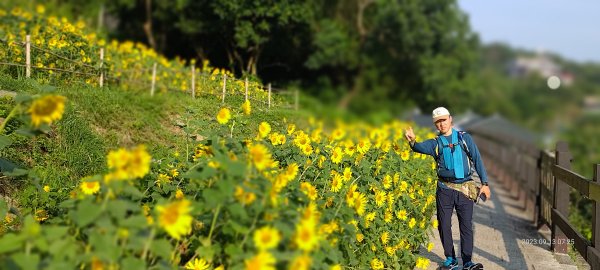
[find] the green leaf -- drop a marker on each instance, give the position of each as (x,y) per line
(87,212)
(41,243)
(118,208)
(238,227)
(133,192)
(162,248)
(192,174)
(133,263)
(17,172)
(31,227)
(30,261)
(137,221)
(208,172)
(5,141)
(27,132)
(22,98)
(6,165)
(55,232)
(11,242)
(47,88)
(208,252)
(3,208)
(237,211)
(235,251)
(104,247)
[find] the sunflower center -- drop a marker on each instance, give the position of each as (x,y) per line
(170,216)
(45,108)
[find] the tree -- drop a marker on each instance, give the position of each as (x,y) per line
(390,50)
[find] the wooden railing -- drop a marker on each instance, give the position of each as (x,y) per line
(543,180)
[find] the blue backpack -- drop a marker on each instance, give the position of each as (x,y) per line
(441,170)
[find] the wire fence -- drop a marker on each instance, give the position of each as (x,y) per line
(199,82)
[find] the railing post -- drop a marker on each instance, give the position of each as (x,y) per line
(153,85)
(269,95)
(596,212)
(193,81)
(224,85)
(101,79)
(246,86)
(28,56)
(561,198)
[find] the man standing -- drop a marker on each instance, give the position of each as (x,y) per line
(457,158)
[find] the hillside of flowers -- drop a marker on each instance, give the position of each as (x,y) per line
(285,197)
(63,52)
(288,195)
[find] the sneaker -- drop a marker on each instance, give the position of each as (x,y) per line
(450,263)
(472,266)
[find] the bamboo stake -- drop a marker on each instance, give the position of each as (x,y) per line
(193,82)
(269,95)
(28,56)
(224,85)
(246,84)
(101,65)
(153,80)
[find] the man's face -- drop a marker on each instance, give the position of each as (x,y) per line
(443,124)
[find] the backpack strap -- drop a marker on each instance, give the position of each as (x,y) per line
(463,145)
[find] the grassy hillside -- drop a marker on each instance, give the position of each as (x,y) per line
(98,120)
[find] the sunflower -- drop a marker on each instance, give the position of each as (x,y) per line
(422,263)
(179,194)
(360,237)
(401,215)
(337,155)
(260,156)
(309,190)
(291,171)
(223,116)
(380,198)
(291,128)
(266,238)
(89,187)
(264,129)
(359,203)
(307,149)
(129,164)
(336,182)
(246,108)
(347,174)
(41,215)
(306,237)
(338,134)
(412,223)
(387,181)
(301,262)
(175,218)
(405,155)
(385,236)
(262,261)
(363,146)
(197,264)
(376,264)
(47,109)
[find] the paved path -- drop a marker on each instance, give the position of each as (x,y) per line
(502,231)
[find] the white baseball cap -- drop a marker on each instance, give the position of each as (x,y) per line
(439,112)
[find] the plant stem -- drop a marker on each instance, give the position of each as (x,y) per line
(148,243)
(12,114)
(212,225)
(342,201)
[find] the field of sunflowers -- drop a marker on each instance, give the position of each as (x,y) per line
(288,195)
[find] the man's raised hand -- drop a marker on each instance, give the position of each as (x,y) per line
(409,134)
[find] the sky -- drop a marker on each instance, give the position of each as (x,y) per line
(570,28)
